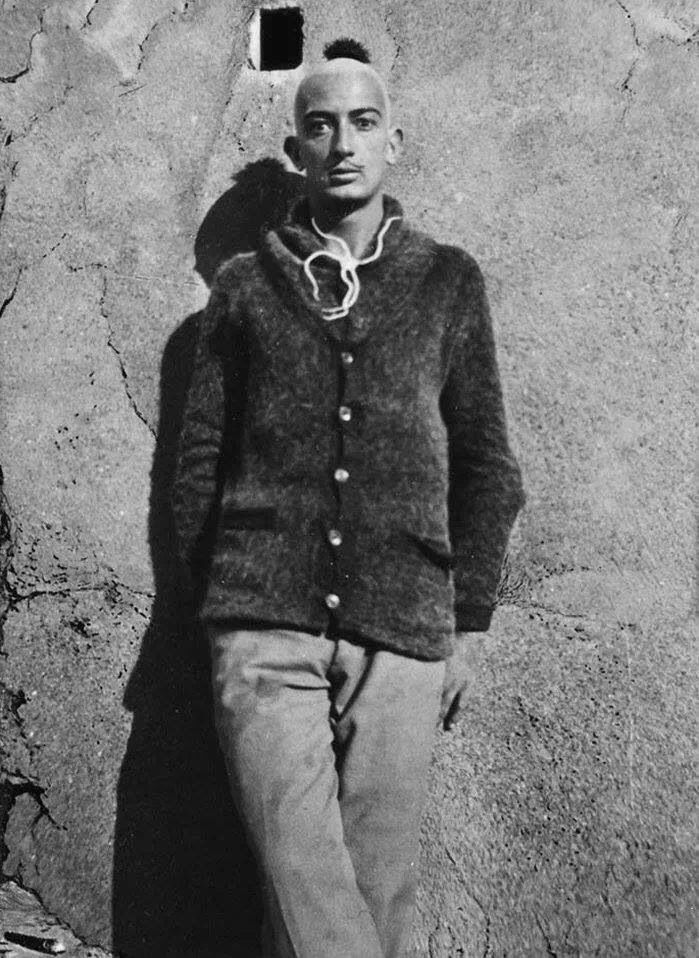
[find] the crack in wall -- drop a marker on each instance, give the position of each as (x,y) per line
(630,745)
(685,42)
(15,783)
(145,40)
(625,85)
(57,102)
(87,22)
(487,946)
(117,353)
(397,48)
(52,249)
(20,133)
(130,276)
(13,700)
(142,278)
(547,941)
(110,333)
(542,610)
(30,914)
(15,598)
(6,552)
(632,23)
(540,607)
(134,89)
(8,299)
(12,78)
(20,785)
(229,91)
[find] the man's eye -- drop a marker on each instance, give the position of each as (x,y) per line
(365,123)
(317,127)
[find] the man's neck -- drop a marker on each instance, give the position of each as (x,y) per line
(356,225)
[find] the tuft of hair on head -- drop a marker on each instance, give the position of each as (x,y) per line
(346,48)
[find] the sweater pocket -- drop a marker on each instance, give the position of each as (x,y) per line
(437,552)
(252,517)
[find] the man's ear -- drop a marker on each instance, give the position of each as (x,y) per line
(394,147)
(291,148)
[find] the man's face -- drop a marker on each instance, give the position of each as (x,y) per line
(343,140)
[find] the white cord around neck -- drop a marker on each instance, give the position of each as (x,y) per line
(348,268)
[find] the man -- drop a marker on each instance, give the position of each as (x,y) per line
(345,436)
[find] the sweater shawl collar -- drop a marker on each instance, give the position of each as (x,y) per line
(386,283)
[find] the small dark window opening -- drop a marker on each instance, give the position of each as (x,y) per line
(281,38)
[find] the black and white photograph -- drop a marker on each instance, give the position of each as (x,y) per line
(348,593)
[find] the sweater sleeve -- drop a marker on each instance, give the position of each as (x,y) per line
(205,426)
(485,488)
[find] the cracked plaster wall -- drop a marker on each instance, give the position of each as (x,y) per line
(555,142)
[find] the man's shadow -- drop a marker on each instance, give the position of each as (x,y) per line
(184,880)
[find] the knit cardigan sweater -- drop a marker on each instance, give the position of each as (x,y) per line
(356,473)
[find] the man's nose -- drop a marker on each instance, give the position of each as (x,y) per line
(344,142)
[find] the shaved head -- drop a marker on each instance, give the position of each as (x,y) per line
(341,69)
(344,140)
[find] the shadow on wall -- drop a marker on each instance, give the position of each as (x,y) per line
(184,880)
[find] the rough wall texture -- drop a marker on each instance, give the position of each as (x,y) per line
(555,142)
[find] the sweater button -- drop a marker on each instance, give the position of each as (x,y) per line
(341,475)
(335,537)
(345,413)
(332,601)
(347,358)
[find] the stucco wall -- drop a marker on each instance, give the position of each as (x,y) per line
(555,142)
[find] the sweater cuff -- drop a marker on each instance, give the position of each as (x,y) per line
(472,618)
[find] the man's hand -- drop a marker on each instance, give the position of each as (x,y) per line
(461,667)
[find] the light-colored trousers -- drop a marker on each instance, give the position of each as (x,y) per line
(327,746)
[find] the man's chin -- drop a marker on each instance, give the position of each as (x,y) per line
(349,195)
(346,191)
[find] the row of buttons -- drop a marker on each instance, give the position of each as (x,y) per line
(341,475)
